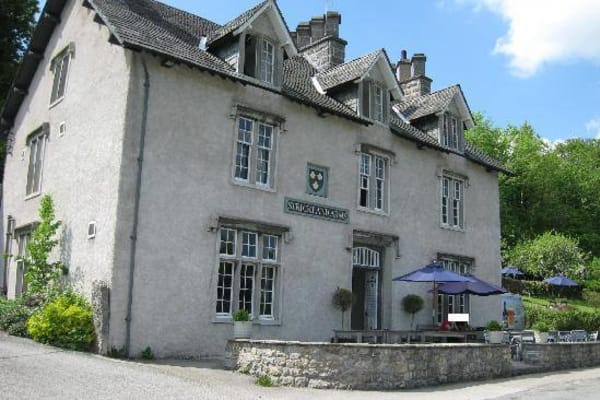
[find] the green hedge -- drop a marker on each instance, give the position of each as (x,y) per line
(562,320)
(540,289)
(65,322)
(13,316)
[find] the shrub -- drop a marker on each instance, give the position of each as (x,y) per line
(13,316)
(241,315)
(562,320)
(342,300)
(540,289)
(494,326)
(541,326)
(591,297)
(412,304)
(65,322)
(265,381)
(147,353)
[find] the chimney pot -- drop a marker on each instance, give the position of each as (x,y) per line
(403,55)
(418,64)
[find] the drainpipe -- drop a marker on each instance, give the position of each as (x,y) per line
(136,210)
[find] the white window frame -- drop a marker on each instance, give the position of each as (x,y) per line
(36,144)
(264,257)
(372,183)
(60,78)
(460,303)
(452,202)
(450,132)
(261,144)
(266,61)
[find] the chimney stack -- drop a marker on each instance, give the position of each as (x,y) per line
(411,75)
(319,41)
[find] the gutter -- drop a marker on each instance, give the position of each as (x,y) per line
(136,210)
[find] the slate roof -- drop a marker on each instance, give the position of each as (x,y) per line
(348,71)
(166,31)
(428,104)
(234,24)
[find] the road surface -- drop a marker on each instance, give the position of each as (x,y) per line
(29,370)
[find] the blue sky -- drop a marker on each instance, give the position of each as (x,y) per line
(516,60)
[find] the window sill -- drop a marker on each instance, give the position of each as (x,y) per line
(452,228)
(56,102)
(33,195)
(253,186)
(371,211)
(264,322)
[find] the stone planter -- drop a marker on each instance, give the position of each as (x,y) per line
(242,329)
(495,337)
(540,337)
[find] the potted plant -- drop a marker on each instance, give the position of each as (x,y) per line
(242,326)
(540,331)
(495,332)
(412,304)
(342,300)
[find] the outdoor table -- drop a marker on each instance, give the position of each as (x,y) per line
(445,335)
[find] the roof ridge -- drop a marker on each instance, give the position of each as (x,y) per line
(234,23)
(351,61)
(184,11)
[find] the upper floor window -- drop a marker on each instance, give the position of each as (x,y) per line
(450,136)
(36,144)
(60,67)
(253,163)
(375,101)
(248,274)
(373,182)
(260,57)
(452,202)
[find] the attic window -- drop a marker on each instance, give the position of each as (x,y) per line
(451,135)
(375,101)
(261,59)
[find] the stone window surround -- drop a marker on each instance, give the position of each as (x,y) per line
(41,133)
(67,52)
(455,176)
(262,228)
(259,117)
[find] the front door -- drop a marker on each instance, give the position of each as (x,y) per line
(366,264)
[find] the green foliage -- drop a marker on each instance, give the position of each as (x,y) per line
(115,352)
(16,26)
(147,354)
(591,297)
(539,288)
(493,326)
(13,316)
(541,326)
(264,381)
(342,300)
(42,276)
(65,322)
(549,254)
(554,187)
(562,320)
(241,315)
(412,304)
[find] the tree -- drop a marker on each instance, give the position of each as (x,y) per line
(342,300)
(548,255)
(412,304)
(17,18)
(42,276)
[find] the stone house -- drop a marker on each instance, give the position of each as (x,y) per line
(200,168)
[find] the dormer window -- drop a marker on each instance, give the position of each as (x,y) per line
(450,133)
(375,101)
(260,59)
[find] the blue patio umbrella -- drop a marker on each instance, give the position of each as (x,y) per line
(435,273)
(476,286)
(560,280)
(510,270)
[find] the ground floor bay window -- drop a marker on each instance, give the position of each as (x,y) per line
(248,273)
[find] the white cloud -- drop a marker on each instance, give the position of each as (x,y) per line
(593,127)
(545,31)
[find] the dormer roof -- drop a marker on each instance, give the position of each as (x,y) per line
(244,21)
(358,69)
(435,103)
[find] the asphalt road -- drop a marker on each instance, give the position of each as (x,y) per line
(32,371)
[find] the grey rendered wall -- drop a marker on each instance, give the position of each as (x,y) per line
(187,182)
(81,169)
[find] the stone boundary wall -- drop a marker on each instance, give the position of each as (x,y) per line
(554,356)
(367,366)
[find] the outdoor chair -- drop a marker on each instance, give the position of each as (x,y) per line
(527,337)
(564,336)
(552,336)
(578,335)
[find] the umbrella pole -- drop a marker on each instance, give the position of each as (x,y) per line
(434,304)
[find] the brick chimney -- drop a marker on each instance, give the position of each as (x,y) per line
(319,41)
(411,75)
